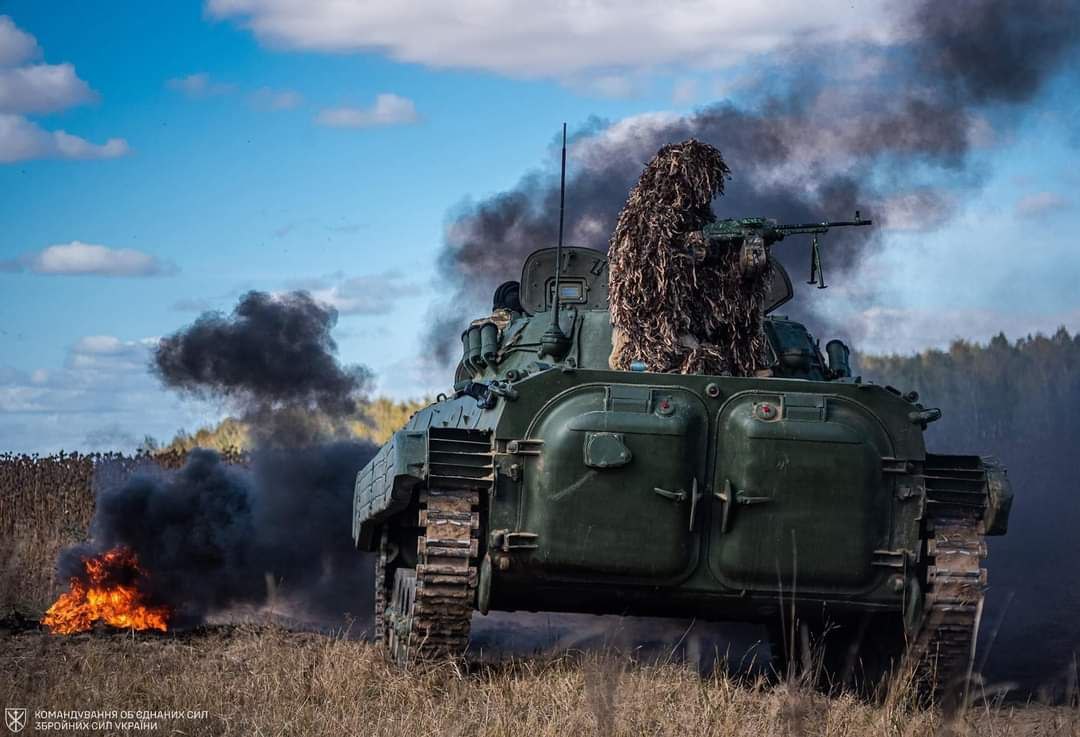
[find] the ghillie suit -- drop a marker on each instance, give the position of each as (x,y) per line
(678,303)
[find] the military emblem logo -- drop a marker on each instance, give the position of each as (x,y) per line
(15,719)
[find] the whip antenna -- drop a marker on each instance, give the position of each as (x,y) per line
(558,247)
(554,342)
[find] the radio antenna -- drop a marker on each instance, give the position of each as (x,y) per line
(554,342)
(562,208)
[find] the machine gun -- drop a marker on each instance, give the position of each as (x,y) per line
(756,234)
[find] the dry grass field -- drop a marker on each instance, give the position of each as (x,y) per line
(261,679)
(267,681)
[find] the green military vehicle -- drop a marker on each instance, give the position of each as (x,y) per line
(805,500)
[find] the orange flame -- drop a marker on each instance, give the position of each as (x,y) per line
(101,600)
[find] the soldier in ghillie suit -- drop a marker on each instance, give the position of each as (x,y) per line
(678,303)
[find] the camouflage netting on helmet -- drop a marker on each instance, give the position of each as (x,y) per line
(677,305)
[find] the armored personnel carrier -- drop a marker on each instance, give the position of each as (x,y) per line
(804,499)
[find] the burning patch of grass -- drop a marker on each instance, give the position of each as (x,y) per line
(107,591)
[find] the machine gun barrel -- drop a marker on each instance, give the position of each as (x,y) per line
(754,235)
(817,228)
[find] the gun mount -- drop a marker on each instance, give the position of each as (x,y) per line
(755,235)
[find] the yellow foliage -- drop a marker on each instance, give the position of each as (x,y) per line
(229,434)
(383,416)
(376,421)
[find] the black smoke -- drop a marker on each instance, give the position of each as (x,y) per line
(273,358)
(215,537)
(996,51)
(808,144)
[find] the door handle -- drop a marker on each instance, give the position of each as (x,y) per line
(730,497)
(695,496)
(681,496)
(725,496)
(676,496)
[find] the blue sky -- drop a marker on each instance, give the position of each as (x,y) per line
(244,144)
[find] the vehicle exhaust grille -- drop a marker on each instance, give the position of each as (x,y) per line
(955,485)
(460,459)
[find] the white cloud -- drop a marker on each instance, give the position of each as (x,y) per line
(266,98)
(15,46)
(555,39)
(197,86)
(42,88)
(633,137)
(22,139)
(103,397)
(1040,203)
(371,294)
(109,353)
(85,259)
(389,109)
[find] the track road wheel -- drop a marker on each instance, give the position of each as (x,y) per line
(430,606)
(387,561)
(944,645)
(382,589)
(944,624)
(402,609)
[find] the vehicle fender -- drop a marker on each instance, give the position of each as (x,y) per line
(385,485)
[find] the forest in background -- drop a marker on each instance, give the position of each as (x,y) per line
(1020,402)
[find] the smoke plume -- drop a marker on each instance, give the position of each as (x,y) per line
(214,536)
(830,130)
(273,359)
